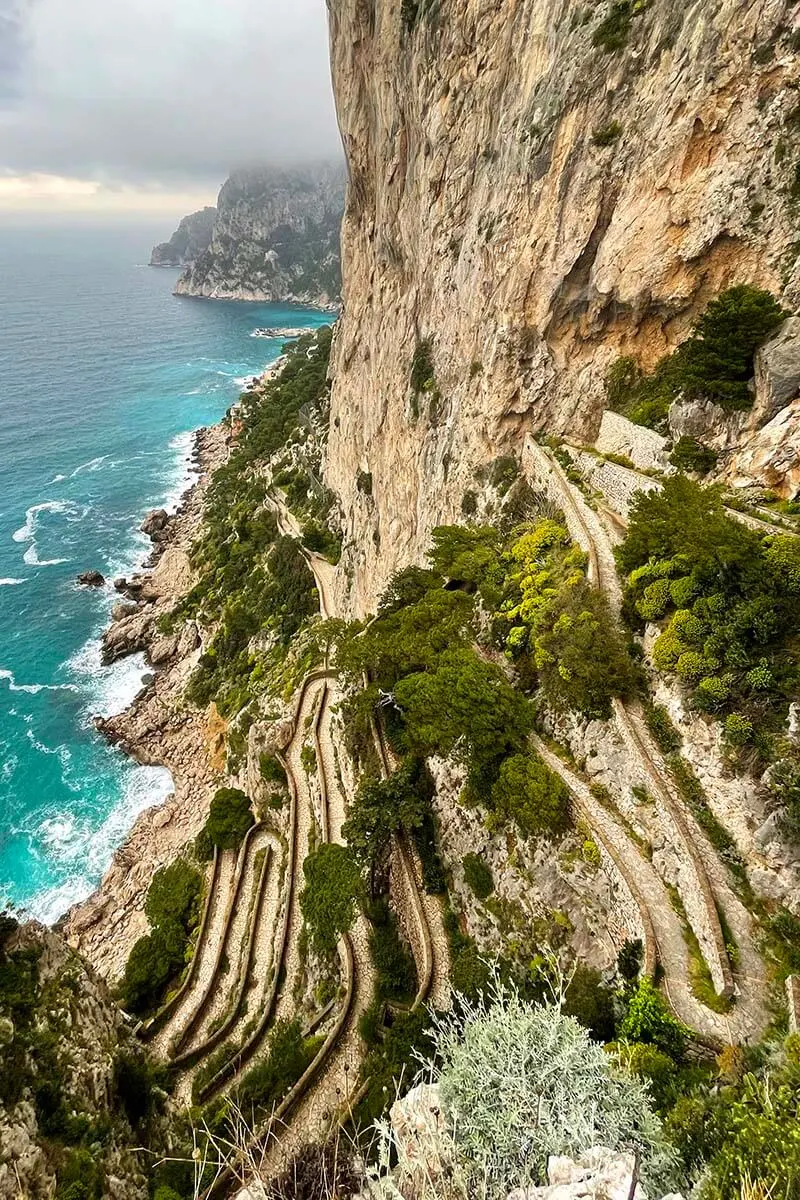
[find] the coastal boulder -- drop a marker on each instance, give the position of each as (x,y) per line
(155,522)
(91,579)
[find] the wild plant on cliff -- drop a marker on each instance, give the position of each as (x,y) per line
(522,1081)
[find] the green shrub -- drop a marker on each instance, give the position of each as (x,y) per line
(751,1133)
(79,1177)
(381,807)
(614,30)
(364,482)
(154,960)
(648,1020)
(631,959)
(692,666)
(229,818)
(503,472)
(270,769)
(688,628)
(478,875)
(682,591)
(589,1000)
(691,455)
(469,503)
(174,895)
(331,893)
(712,694)
(394,964)
(655,600)
(554,623)
(531,794)
(322,540)
(714,363)
(658,722)
(172,907)
(265,1085)
(738,729)
(520,1082)
(606,135)
(423,378)
(667,649)
(735,611)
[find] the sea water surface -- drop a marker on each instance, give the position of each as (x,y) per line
(104,375)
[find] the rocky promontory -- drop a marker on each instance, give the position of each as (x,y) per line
(188,242)
(275,238)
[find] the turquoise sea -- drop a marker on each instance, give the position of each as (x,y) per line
(103,377)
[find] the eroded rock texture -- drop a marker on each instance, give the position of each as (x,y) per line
(275,237)
(536,204)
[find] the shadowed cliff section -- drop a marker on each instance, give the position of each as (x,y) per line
(275,238)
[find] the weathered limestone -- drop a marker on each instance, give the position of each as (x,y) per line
(482,214)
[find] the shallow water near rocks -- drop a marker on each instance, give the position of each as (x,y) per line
(103,377)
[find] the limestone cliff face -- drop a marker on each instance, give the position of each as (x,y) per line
(275,237)
(536,202)
(188,242)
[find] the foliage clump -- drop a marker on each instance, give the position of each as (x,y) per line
(606,135)
(442,696)
(691,455)
(331,894)
(229,818)
(520,1082)
(728,595)
(172,908)
(255,586)
(714,363)
(478,875)
(265,1085)
(614,30)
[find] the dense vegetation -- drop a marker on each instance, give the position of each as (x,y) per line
(265,1084)
(88,1101)
(172,908)
(714,363)
(729,599)
(331,894)
(255,585)
(444,694)
(229,818)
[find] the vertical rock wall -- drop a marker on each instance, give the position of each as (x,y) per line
(536,205)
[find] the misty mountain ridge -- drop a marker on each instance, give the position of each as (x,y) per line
(274,236)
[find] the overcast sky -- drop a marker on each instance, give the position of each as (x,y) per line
(149,103)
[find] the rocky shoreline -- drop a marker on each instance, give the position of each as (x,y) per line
(157,729)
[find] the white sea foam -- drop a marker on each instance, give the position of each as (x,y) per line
(34,688)
(184,466)
(10,582)
(27,532)
(94,464)
(89,852)
(31,558)
(109,688)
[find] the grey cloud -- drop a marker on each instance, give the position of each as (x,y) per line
(163,92)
